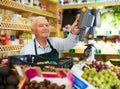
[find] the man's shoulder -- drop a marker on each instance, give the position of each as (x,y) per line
(28,48)
(29,45)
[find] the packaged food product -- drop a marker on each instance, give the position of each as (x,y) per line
(8,15)
(16,18)
(1,15)
(25,2)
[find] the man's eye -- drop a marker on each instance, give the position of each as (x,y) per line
(41,25)
(47,25)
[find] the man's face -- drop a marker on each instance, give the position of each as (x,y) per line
(41,28)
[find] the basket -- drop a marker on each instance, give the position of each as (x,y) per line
(30,60)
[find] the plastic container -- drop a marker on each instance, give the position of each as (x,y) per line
(16,18)
(79,82)
(29,60)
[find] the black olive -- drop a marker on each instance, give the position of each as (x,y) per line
(1,79)
(4,71)
(12,80)
(11,87)
(2,86)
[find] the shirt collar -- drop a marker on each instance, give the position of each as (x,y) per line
(40,46)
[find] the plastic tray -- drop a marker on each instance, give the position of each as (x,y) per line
(29,60)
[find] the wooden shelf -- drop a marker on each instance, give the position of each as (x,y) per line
(106,33)
(48,1)
(23,8)
(8,48)
(10,26)
(81,51)
(90,5)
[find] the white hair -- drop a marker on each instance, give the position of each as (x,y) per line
(35,19)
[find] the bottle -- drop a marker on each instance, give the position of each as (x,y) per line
(21,40)
(12,39)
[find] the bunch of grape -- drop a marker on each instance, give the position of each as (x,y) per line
(116,69)
(105,79)
(99,66)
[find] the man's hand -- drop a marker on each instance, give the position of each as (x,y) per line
(74,28)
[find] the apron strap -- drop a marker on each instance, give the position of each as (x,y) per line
(36,46)
(50,44)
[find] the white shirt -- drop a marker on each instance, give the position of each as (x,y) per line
(60,44)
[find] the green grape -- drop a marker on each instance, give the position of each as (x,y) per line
(102,86)
(105,79)
(93,83)
(89,79)
(86,70)
(107,86)
(93,70)
(84,76)
(117,86)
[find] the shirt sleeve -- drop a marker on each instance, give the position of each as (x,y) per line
(63,44)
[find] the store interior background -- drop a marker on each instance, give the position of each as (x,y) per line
(16,17)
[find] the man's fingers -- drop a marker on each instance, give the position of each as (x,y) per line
(75,23)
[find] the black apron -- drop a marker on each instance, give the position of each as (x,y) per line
(53,54)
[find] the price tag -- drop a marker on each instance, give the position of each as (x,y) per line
(108,33)
(66,33)
(98,52)
(118,51)
(72,51)
(118,33)
(96,32)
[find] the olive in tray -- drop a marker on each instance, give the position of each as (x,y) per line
(4,71)
(8,80)
(45,84)
(49,69)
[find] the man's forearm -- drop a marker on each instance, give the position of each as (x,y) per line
(70,41)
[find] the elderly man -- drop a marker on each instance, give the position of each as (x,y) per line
(49,47)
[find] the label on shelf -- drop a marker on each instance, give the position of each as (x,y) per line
(118,51)
(72,51)
(108,33)
(118,33)
(100,32)
(98,52)
(66,33)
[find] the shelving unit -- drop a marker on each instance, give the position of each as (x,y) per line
(10,48)
(100,32)
(10,26)
(101,57)
(8,4)
(18,27)
(73,6)
(81,51)
(25,11)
